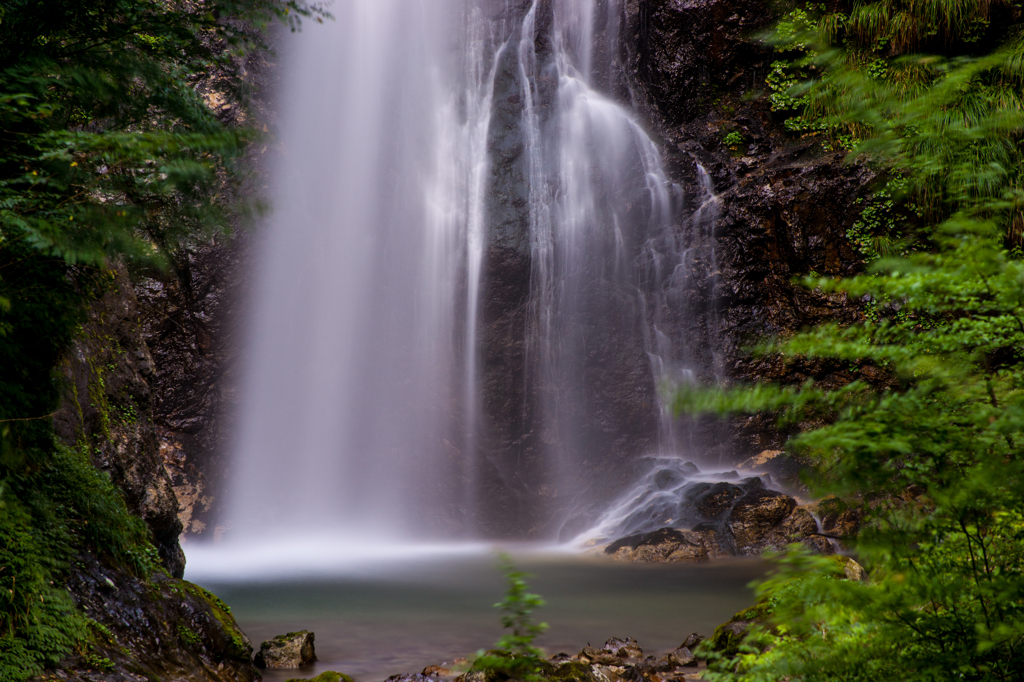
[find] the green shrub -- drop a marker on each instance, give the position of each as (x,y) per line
(514,655)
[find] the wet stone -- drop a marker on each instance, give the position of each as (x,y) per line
(668,478)
(677,658)
(755,516)
(662,545)
(752,483)
(413,677)
(437,671)
(598,656)
(326,676)
(717,500)
(624,648)
(291,650)
(692,641)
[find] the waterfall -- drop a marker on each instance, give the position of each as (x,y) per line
(420,143)
(362,344)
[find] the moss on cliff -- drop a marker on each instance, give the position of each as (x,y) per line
(49,514)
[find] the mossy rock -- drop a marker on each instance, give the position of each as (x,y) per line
(498,666)
(238,644)
(326,676)
(728,636)
(847,568)
(573,671)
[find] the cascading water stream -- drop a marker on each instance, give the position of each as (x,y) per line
(367,406)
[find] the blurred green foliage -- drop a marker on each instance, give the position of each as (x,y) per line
(934,456)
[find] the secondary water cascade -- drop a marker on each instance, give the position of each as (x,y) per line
(476,276)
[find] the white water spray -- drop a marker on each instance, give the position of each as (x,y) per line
(362,412)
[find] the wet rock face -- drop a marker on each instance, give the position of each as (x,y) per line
(107,408)
(291,650)
(663,545)
(685,51)
(156,629)
(714,501)
(188,318)
(698,73)
(757,514)
(681,519)
(611,414)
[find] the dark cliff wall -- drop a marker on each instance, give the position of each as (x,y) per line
(189,323)
(698,72)
(146,626)
(108,408)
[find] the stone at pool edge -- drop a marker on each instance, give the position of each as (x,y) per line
(292,650)
(326,676)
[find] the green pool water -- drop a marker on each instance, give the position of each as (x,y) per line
(401,614)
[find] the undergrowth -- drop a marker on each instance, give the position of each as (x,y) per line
(47,516)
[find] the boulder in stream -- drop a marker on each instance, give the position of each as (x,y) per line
(755,515)
(692,641)
(681,657)
(662,545)
(624,648)
(291,650)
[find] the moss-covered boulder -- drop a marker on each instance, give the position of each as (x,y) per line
(156,628)
(291,650)
(729,635)
(572,671)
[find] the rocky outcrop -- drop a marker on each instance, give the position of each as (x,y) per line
(662,545)
(145,627)
(751,531)
(107,410)
(188,321)
(738,517)
(158,628)
(675,512)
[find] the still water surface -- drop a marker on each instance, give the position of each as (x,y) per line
(405,613)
